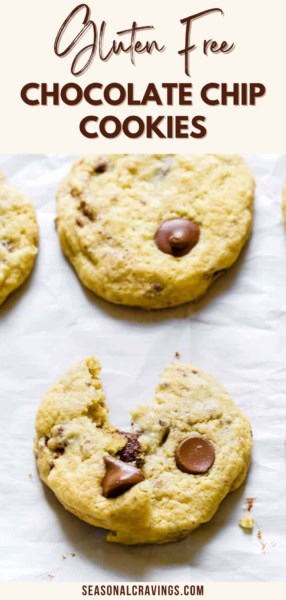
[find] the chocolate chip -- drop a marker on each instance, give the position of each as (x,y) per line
(79,222)
(8,245)
(59,451)
(75,192)
(131,453)
(177,236)
(86,210)
(101,166)
(194,455)
(119,477)
(165,434)
(157,287)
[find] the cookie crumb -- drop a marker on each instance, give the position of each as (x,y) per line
(177,355)
(249,503)
(30,475)
(65,556)
(262,543)
(47,577)
(246,522)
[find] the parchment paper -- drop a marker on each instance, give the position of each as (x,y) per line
(237,333)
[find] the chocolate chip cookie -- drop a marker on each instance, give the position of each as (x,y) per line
(155,483)
(18,238)
(154,230)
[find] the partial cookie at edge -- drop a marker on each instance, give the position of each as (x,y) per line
(18,238)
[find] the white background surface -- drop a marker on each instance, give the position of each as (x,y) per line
(237,333)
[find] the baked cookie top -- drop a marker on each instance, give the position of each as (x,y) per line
(18,238)
(185,452)
(154,230)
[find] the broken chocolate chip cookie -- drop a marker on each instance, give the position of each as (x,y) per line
(187,449)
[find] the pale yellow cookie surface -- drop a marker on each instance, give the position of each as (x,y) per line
(73,435)
(18,238)
(110,207)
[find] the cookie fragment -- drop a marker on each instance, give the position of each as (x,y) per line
(246,522)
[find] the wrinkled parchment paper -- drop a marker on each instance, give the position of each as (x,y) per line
(237,333)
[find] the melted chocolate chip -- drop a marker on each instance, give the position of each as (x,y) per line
(177,236)
(119,477)
(131,453)
(194,455)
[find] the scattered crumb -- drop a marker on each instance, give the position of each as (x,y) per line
(177,355)
(30,475)
(249,503)
(47,577)
(69,554)
(262,543)
(246,522)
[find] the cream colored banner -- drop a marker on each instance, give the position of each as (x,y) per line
(237,46)
(76,591)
